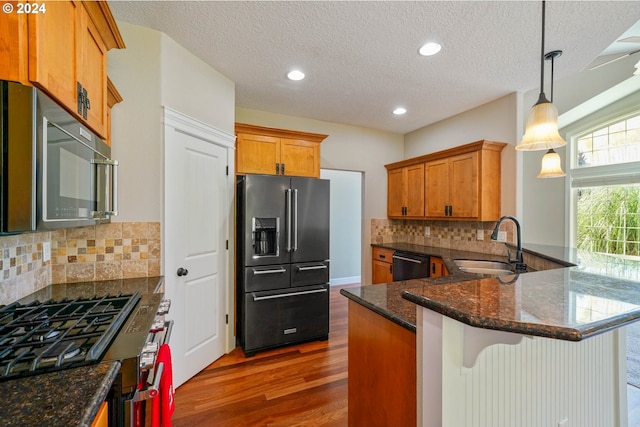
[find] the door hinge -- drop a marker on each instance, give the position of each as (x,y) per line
(227,319)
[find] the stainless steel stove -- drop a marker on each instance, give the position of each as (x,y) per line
(73,325)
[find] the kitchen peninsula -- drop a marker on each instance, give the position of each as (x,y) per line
(539,348)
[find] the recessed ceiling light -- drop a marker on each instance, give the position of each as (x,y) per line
(430,48)
(399,111)
(295,75)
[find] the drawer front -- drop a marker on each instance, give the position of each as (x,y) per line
(382,254)
(309,273)
(284,317)
(268,277)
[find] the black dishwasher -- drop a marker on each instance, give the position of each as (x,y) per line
(410,266)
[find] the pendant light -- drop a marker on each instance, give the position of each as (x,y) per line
(541,129)
(551,163)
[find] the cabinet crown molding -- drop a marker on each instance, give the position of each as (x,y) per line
(278,133)
(101,15)
(483,144)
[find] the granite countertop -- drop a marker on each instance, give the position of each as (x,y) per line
(69,397)
(570,303)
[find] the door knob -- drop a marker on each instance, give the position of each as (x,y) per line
(182,272)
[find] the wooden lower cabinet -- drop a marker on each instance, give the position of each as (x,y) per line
(382,371)
(382,265)
(437,268)
(102,417)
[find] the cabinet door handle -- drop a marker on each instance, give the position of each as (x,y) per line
(277,168)
(382,256)
(391,268)
(450,210)
(282,167)
(433,267)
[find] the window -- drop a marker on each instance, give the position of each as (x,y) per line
(605,185)
(613,144)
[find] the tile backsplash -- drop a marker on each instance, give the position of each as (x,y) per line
(459,235)
(106,251)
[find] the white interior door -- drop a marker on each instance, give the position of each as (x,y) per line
(196,225)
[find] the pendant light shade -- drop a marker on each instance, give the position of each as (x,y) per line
(551,167)
(541,129)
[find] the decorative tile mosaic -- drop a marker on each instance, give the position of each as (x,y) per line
(22,270)
(460,235)
(106,251)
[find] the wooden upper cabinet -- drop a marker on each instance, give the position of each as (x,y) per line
(53,51)
(257,154)
(405,191)
(461,183)
(92,73)
(452,186)
(271,151)
(14,43)
(63,51)
(113,97)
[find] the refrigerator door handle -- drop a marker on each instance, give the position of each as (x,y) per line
(288,225)
(295,219)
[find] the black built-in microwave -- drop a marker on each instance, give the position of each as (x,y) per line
(55,172)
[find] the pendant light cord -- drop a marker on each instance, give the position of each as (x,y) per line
(542,53)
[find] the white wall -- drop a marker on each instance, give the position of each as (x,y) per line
(496,121)
(136,130)
(347,148)
(346,225)
(154,71)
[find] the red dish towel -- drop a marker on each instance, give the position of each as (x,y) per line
(162,405)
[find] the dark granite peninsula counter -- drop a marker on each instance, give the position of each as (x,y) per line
(491,348)
(69,397)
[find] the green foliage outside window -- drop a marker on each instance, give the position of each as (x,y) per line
(608,220)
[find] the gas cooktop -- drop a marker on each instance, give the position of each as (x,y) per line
(40,337)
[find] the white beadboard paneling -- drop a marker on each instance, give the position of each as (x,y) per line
(537,382)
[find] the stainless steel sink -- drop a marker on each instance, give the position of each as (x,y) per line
(495,268)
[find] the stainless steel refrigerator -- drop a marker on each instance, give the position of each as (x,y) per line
(282,264)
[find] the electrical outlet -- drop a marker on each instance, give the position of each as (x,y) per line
(479,234)
(46,251)
(502,236)
(427,231)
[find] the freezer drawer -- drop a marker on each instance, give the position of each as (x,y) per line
(309,273)
(277,318)
(268,277)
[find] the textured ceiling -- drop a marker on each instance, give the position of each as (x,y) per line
(361,58)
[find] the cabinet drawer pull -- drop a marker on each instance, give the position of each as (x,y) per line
(280,270)
(313,267)
(292,294)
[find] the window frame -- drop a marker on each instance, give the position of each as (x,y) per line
(600,175)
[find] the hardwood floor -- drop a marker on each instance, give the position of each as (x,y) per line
(302,385)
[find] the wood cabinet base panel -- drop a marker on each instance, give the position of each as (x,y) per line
(382,371)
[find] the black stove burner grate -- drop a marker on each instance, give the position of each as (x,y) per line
(46,336)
